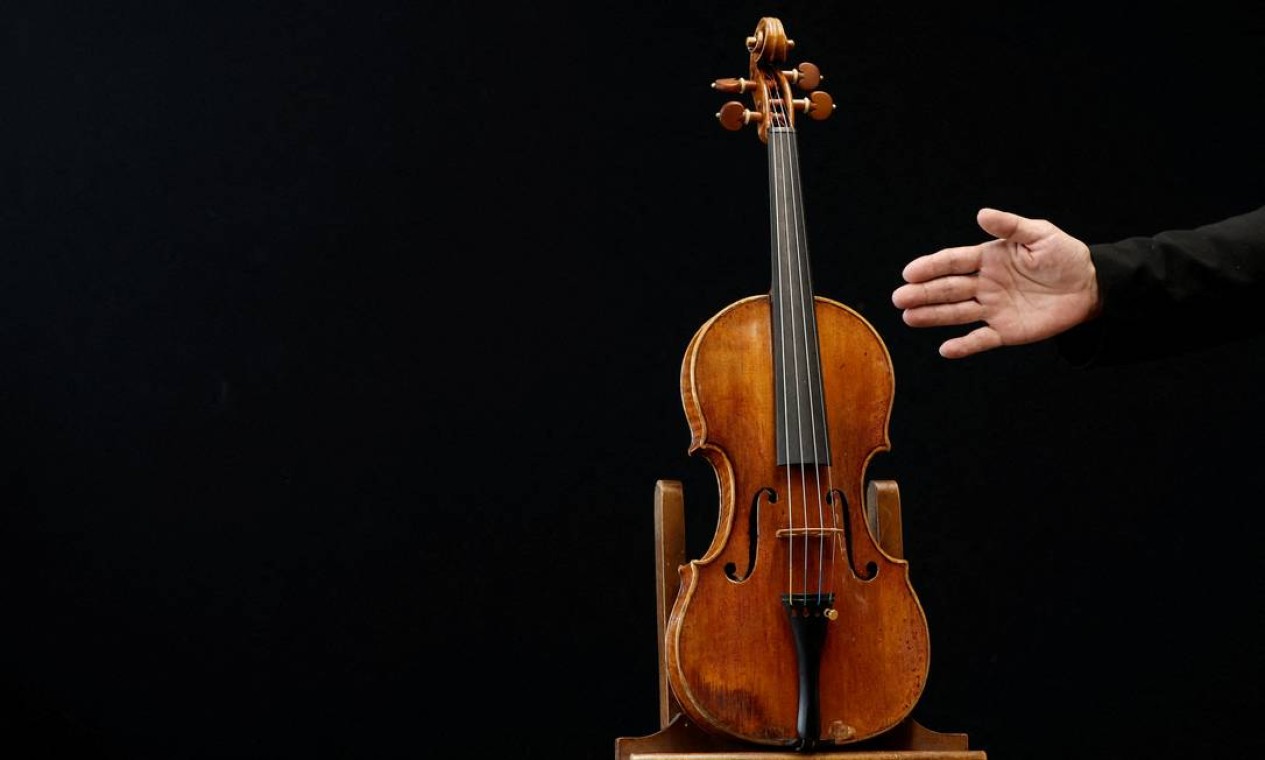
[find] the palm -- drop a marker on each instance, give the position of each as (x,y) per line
(1030,283)
(1023,290)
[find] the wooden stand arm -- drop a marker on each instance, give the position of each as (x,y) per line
(669,548)
(882,511)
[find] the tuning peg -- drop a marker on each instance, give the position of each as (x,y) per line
(818,105)
(731,84)
(806,76)
(734,115)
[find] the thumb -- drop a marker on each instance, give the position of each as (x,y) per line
(1008,226)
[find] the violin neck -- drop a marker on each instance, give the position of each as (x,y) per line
(801,413)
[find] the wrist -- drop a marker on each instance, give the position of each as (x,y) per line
(1093,294)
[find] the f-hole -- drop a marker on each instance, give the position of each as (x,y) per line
(753,535)
(836,498)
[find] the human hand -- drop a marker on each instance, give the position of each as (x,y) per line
(1032,282)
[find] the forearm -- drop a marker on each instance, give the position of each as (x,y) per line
(1174,292)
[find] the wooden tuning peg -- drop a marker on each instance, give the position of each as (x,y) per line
(734,115)
(733,84)
(806,76)
(818,105)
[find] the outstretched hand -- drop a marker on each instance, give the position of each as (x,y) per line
(1032,282)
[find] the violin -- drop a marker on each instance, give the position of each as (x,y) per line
(794,628)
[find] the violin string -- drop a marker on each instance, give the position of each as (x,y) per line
(781,138)
(777,181)
(786,151)
(806,301)
(816,385)
(799,300)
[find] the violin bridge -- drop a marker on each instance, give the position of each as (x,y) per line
(809,532)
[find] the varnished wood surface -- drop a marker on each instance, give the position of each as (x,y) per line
(679,739)
(875,661)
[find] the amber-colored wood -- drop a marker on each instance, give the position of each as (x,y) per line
(730,653)
(669,535)
(882,510)
(679,739)
(768,49)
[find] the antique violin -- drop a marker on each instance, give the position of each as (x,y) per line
(795,628)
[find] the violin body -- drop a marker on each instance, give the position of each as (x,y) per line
(794,628)
(731,652)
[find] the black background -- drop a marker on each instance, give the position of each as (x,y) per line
(341,351)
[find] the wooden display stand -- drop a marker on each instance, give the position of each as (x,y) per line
(679,739)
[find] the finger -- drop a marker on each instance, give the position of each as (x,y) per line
(974,342)
(961,260)
(942,315)
(940,290)
(1008,226)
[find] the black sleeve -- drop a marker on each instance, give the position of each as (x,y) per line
(1175,292)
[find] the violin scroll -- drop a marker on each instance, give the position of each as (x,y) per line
(769,85)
